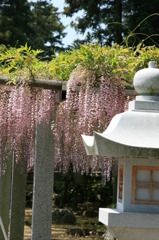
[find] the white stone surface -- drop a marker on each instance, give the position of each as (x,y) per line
(133,137)
(126,205)
(43,183)
(146,81)
(137,105)
(130,226)
(135,132)
(114,218)
(130,133)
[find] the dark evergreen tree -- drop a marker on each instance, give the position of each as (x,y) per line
(111,21)
(142,21)
(47,29)
(14,22)
(101,18)
(37,23)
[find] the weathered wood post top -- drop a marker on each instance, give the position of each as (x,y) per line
(133,138)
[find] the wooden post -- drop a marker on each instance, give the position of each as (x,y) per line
(13,185)
(18,202)
(5,198)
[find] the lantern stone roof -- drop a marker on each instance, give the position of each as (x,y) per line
(134,133)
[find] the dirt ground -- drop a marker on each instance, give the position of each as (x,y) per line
(92,229)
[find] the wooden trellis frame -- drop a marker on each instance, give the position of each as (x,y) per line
(13,185)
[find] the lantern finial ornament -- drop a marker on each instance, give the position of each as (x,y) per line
(146,81)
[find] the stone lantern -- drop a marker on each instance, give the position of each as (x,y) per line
(133,138)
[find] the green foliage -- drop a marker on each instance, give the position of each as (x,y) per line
(24,63)
(99,60)
(73,189)
(21,64)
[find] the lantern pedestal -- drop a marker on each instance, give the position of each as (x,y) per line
(128,225)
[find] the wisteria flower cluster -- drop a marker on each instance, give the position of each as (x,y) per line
(90,104)
(22,108)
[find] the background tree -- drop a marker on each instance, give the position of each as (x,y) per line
(14,22)
(37,23)
(97,19)
(109,21)
(47,29)
(148,30)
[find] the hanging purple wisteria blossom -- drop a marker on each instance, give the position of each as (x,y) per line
(21,109)
(89,109)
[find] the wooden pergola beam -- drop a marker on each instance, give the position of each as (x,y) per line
(46,84)
(13,200)
(59,85)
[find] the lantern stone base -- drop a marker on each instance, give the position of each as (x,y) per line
(130,225)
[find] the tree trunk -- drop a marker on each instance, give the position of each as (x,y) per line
(118,19)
